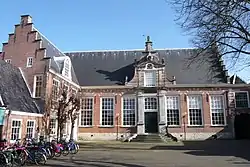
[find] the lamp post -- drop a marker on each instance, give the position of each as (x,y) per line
(117,126)
(184,122)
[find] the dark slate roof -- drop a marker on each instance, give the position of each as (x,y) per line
(237,79)
(53,51)
(111,67)
(14,90)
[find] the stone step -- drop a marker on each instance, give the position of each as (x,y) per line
(148,138)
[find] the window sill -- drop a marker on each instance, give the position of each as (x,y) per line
(101,126)
(218,126)
(127,126)
(91,126)
(177,126)
(195,126)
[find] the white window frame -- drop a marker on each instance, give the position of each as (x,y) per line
(28,62)
(66,70)
(202,110)
(113,112)
(56,124)
(34,128)
(58,88)
(150,110)
(224,110)
(248,101)
(179,109)
(93,109)
(34,86)
(20,130)
(8,61)
(122,109)
(145,78)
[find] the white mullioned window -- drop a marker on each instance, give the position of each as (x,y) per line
(242,99)
(53,126)
(107,111)
(195,116)
(150,103)
(29,62)
(55,89)
(38,85)
(150,78)
(30,129)
(172,110)
(87,110)
(66,67)
(16,129)
(217,110)
(129,111)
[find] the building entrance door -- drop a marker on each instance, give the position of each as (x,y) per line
(151,122)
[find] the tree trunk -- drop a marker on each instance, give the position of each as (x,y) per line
(72,130)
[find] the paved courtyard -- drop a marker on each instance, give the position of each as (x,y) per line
(191,154)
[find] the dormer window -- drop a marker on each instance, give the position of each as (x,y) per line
(150,76)
(66,68)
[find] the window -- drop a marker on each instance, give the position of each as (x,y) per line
(30,129)
(217,110)
(150,103)
(107,116)
(52,126)
(66,88)
(8,61)
(150,78)
(38,85)
(15,130)
(173,112)
(74,91)
(29,61)
(66,67)
(87,112)
(129,108)
(241,100)
(194,110)
(55,89)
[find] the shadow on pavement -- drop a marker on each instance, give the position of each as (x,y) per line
(92,163)
(236,148)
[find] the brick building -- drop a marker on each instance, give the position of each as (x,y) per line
(133,91)
(19,114)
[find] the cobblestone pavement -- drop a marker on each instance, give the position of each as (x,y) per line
(192,154)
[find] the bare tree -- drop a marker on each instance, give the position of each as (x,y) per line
(48,107)
(221,23)
(73,113)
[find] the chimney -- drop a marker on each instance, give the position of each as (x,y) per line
(26,19)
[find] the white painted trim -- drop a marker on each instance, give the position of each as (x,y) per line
(224,110)
(64,78)
(27,63)
(93,109)
(34,85)
(27,85)
(24,113)
(248,101)
(20,134)
(122,110)
(67,60)
(1,101)
(179,108)
(202,110)
(113,112)
(34,128)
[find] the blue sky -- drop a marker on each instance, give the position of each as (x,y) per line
(79,25)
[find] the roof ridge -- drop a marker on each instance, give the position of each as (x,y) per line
(49,41)
(128,50)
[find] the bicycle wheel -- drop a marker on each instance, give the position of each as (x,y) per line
(3,160)
(40,158)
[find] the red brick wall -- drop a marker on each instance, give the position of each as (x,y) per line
(22,44)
